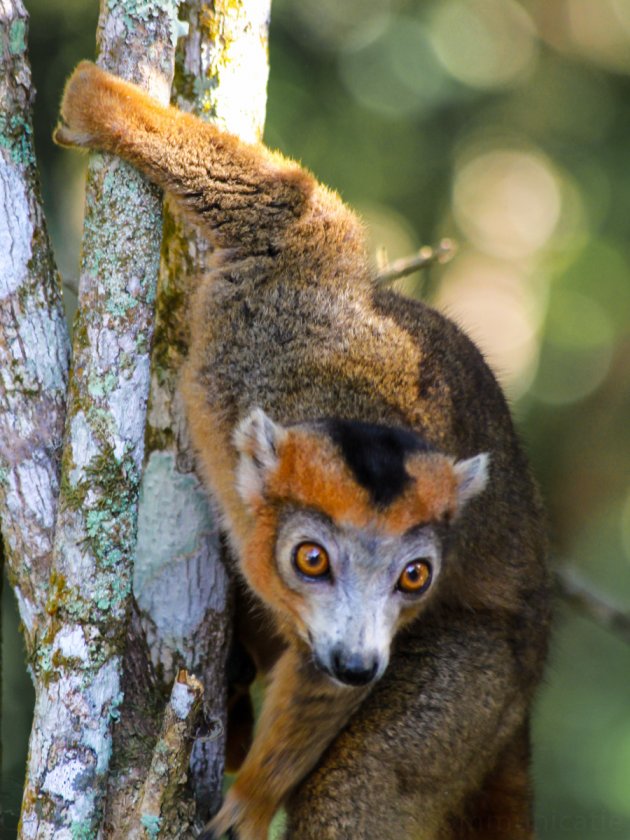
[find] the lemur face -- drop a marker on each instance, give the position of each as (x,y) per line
(346,545)
(356,586)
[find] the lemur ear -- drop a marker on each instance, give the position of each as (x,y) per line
(472,477)
(257,439)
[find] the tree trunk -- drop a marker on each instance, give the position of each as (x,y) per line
(34,347)
(78,661)
(69,523)
(180,580)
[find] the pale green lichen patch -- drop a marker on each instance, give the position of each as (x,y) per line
(45,666)
(110,525)
(142,345)
(132,11)
(83,830)
(203,90)
(101,385)
(99,419)
(17,37)
(126,362)
(114,706)
(151,825)
(112,591)
(120,302)
(122,245)
(106,495)
(16,136)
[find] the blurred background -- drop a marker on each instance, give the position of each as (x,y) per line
(505,125)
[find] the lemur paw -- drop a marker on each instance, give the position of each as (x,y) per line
(240,818)
(85,94)
(227,819)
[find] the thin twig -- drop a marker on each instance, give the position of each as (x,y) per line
(581,596)
(169,761)
(427,255)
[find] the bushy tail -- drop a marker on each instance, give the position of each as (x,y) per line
(250,201)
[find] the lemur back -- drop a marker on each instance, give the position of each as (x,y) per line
(373,491)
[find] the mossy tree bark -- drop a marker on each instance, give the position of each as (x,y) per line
(34,346)
(34,353)
(77,660)
(180,580)
(69,522)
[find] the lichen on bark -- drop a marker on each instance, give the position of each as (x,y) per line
(78,660)
(93,671)
(220,74)
(34,346)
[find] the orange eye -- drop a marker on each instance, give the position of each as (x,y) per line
(415,578)
(311,560)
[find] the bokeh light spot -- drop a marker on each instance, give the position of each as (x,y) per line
(600,30)
(484,43)
(492,301)
(329,23)
(577,351)
(625,526)
(507,202)
(389,66)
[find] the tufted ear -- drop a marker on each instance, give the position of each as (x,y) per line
(257,439)
(472,477)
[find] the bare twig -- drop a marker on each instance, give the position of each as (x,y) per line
(169,762)
(426,256)
(581,596)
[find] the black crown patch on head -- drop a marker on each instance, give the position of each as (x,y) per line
(376,455)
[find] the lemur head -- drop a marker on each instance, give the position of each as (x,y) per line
(347,540)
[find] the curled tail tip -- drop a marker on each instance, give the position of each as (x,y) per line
(65,136)
(81,97)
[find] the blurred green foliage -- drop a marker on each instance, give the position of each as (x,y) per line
(504,125)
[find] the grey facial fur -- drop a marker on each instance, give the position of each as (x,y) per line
(352,615)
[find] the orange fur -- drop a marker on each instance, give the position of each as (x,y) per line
(258,567)
(311,473)
(311,710)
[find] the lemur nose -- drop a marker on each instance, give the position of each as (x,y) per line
(353,669)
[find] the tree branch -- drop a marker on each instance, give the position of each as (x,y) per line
(34,345)
(180,580)
(581,596)
(426,256)
(169,764)
(79,661)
